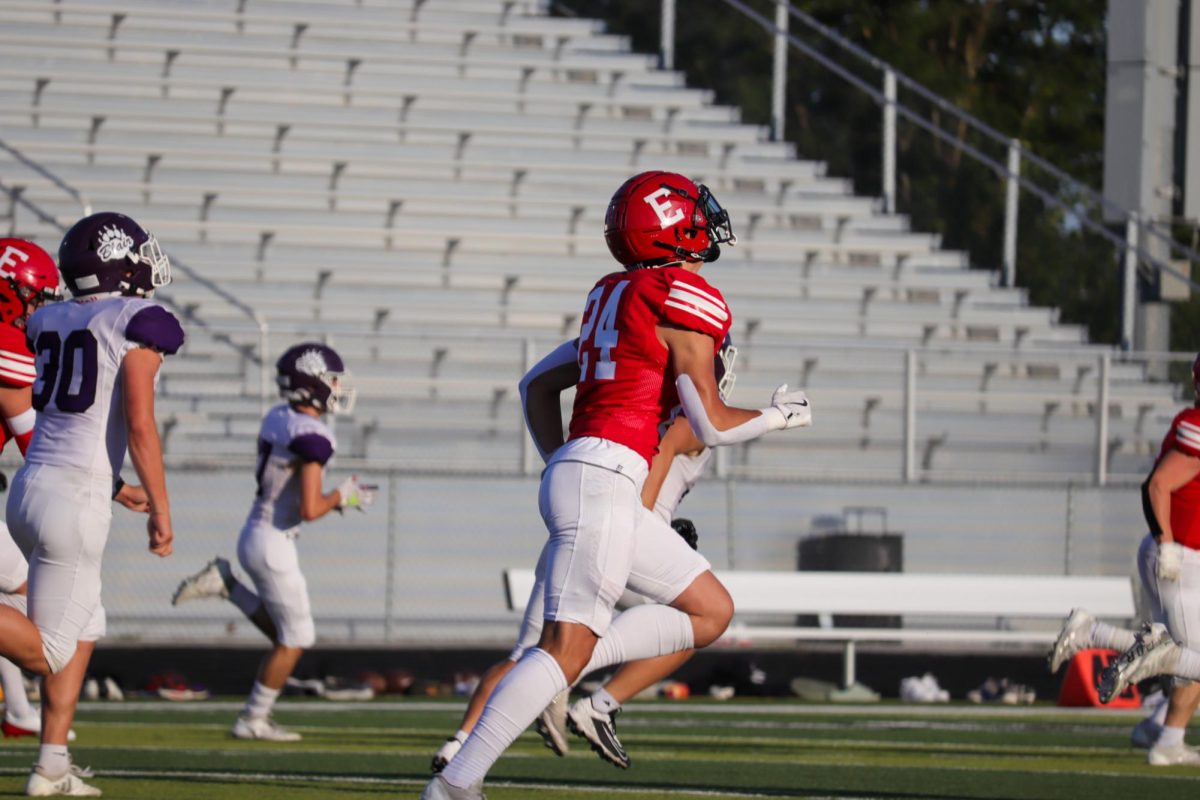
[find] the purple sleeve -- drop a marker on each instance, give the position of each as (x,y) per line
(312,447)
(155,327)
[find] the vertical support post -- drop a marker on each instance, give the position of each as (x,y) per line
(889,141)
(910,416)
(264,365)
(528,467)
(730,524)
(1102,420)
(1129,282)
(779,72)
(667,34)
(1011,199)
(389,587)
(848,672)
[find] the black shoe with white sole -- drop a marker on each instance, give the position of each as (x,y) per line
(600,730)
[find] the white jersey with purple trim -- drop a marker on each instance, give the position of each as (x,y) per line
(287,439)
(684,473)
(79,347)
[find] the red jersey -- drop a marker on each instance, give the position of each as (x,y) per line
(1184,436)
(626,384)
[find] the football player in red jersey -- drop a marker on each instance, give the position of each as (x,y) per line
(28,278)
(1169,566)
(677,467)
(647,341)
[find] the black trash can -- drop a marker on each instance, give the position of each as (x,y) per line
(851,549)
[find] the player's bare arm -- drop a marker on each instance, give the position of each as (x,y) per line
(541,389)
(145,448)
(678,440)
(1174,472)
(315,504)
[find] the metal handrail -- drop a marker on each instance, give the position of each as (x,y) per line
(79,196)
(1131,245)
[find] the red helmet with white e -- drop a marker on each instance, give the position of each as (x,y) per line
(28,278)
(658,217)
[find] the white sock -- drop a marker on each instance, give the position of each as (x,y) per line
(1170,737)
(1188,665)
(1160,712)
(603,701)
(54,760)
(514,705)
(16,702)
(261,700)
(246,600)
(1105,635)
(643,631)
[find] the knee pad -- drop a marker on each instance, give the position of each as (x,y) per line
(17,601)
(58,650)
(300,633)
(97,626)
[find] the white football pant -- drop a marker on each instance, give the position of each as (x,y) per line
(269,557)
(59,517)
(602,539)
(1175,603)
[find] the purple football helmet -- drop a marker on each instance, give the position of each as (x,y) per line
(312,374)
(109,253)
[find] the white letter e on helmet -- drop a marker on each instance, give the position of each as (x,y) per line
(666,215)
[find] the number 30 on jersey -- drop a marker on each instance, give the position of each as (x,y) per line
(598,336)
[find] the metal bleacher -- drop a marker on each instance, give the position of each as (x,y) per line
(424,184)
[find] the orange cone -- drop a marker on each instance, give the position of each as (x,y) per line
(1081,686)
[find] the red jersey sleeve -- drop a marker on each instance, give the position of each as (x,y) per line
(1186,432)
(16,361)
(692,303)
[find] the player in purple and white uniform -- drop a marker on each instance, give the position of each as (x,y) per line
(294,445)
(97,360)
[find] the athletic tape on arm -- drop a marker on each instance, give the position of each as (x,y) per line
(768,419)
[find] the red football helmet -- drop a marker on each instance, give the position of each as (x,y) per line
(658,217)
(28,278)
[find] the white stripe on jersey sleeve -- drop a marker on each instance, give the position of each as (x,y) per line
(679,297)
(694,311)
(10,354)
(18,367)
(1188,434)
(690,294)
(17,377)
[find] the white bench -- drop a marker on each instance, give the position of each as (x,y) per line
(990,599)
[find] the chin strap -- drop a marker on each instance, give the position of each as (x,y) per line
(707,255)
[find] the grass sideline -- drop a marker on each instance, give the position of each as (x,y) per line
(696,749)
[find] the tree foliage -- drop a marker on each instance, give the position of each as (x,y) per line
(1032,69)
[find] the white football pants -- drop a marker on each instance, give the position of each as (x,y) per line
(60,517)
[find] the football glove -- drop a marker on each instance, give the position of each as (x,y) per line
(797,413)
(355,494)
(1170,558)
(687,531)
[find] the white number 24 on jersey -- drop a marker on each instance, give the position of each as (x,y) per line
(599,333)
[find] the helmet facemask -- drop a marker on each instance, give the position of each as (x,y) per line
(148,254)
(726,377)
(707,216)
(31,299)
(342,393)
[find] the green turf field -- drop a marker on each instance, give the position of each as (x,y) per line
(763,749)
